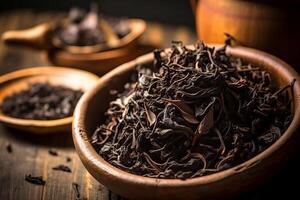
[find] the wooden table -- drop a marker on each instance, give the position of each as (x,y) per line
(30,153)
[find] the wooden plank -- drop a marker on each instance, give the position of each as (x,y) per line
(14,166)
(23,160)
(15,57)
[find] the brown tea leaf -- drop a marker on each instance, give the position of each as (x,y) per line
(186,111)
(9,148)
(223,146)
(206,123)
(151,117)
(112,124)
(62,168)
(91,20)
(37,180)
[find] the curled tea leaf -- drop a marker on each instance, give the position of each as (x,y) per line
(186,111)
(151,117)
(201,109)
(37,180)
(9,148)
(127,99)
(62,168)
(223,147)
(207,122)
(205,125)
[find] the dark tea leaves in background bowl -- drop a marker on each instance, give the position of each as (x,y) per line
(83,28)
(41,101)
(197,111)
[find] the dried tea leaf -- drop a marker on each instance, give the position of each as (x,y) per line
(63,168)
(68,159)
(52,152)
(91,19)
(127,99)
(151,117)
(206,123)
(223,146)
(201,109)
(112,124)
(9,148)
(41,101)
(186,111)
(37,180)
(76,188)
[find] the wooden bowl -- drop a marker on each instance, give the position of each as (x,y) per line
(100,62)
(228,183)
(39,37)
(21,79)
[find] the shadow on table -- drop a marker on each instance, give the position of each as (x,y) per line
(284,185)
(60,139)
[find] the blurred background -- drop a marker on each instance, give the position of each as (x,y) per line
(165,21)
(166,11)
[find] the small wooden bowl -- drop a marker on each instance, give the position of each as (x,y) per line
(21,79)
(228,183)
(136,26)
(100,62)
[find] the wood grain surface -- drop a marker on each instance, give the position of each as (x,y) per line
(30,152)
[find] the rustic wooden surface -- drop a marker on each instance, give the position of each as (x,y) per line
(30,153)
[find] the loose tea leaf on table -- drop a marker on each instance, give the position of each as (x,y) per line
(37,180)
(196,111)
(41,101)
(52,152)
(9,148)
(68,159)
(76,188)
(63,168)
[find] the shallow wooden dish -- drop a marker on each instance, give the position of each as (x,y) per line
(231,182)
(136,26)
(21,79)
(100,62)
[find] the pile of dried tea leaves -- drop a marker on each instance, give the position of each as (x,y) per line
(83,28)
(196,112)
(41,101)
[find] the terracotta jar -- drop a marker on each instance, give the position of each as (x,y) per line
(272,26)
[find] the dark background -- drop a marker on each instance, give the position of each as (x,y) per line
(176,12)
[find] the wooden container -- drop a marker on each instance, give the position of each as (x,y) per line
(99,62)
(272,26)
(20,80)
(231,182)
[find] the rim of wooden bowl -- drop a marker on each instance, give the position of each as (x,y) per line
(87,152)
(32,71)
